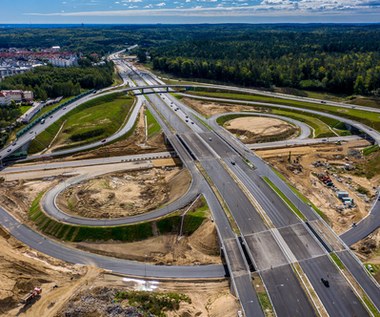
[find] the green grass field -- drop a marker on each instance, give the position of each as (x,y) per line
(153,126)
(290,205)
(24,109)
(89,122)
(128,233)
(369,118)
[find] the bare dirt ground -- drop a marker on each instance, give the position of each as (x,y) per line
(209,109)
(17,196)
(302,174)
(125,194)
(208,299)
(201,247)
(368,250)
(259,129)
(22,269)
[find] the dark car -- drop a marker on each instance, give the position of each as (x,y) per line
(104,140)
(325,282)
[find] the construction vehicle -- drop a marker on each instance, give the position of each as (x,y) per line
(33,294)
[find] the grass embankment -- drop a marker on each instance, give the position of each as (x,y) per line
(369,118)
(24,109)
(89,122)
(302,197)
(371,165)
(128,233)
(152,124)
(290,205)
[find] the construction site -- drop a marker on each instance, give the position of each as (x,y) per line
(337,178)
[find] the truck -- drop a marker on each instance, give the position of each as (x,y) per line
(33,294)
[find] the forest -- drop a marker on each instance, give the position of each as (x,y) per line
(50,82)
(339,58)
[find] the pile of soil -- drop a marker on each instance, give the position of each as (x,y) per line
(260,129)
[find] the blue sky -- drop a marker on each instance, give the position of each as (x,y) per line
(188,11)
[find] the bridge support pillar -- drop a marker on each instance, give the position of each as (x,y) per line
(167,89)
(142,90)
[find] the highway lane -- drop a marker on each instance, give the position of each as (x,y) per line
(131,268)
(302,142)
(367,282)
(339,299)
(280,95)
(86,162)
(365,227)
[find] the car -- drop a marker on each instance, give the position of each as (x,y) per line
(353,224)
(64,108)
(187,120)
(325,282)
(14,143)
(323,101)
(233,163)
(187,117)
(324,140)
(192,122)
(31,132)
(104,140)
(9,150)
(210,139)
(51,117)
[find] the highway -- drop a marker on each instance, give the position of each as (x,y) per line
(254,226)
(330,301)
(302,142)
(131,268)
(263,220)
(86,162)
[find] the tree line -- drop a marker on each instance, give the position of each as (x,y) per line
(340,58)
(50,82)
(334,60)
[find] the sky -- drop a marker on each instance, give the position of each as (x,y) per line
(189,11)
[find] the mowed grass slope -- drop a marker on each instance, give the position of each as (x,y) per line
(371,119)
(153,126)
(89,122)
(169,224)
